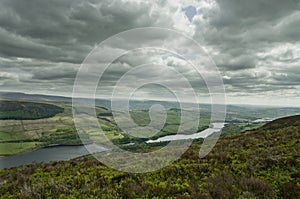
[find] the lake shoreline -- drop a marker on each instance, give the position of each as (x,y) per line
(41,147)
(58,152)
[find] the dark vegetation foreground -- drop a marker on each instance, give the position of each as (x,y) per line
(262,163)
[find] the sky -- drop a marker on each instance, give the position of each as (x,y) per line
(255,46)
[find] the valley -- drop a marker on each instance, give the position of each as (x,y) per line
(54,123)
(260,163)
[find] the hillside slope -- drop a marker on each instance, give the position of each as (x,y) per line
(20,110)
(262,163)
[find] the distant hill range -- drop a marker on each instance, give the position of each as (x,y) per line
(234,112)
(35,97)
(134,104)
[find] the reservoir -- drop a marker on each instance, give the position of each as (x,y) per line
(57,153)
(216,127)
(47,154)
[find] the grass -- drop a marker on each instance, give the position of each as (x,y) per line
(17,136)
(15,148)
(233,128)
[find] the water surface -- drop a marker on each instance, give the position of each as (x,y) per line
(53,153)
(216,127)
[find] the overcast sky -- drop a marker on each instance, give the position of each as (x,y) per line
(255,44)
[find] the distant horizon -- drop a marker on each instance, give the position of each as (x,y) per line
(153,99)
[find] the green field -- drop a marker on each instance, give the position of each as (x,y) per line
(57,126)
(19,135)
(15,148)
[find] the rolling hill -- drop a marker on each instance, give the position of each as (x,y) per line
(20,110)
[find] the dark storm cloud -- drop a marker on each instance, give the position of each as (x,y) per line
(65,30)
(245,27)
(234,11)
(55,73)
(238,62)
(48,40)
(255,44)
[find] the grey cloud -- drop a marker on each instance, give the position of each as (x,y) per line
(249,25)
(254,43)
(252,11)
(67,30)
(53,37)
(238,62)
(55,73)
